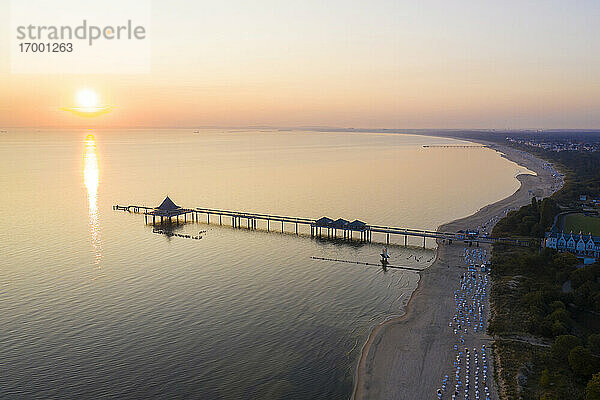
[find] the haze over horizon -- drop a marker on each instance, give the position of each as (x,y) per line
(386,64)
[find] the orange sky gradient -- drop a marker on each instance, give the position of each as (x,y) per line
(385,64)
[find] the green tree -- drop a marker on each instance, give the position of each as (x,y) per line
(548,396)
(560,315)
(545,378)
(594,343)
(582,362)
(555,305)
(592,391)
(581,276)
(558,328)
(548,210)
(563,345)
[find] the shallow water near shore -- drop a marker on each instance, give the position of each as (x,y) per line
(97,304)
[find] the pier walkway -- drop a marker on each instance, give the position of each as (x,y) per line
(322,227)
(456,146)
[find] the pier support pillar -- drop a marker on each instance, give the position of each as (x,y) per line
(388,239)
(405,240)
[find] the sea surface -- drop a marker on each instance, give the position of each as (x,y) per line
(95,304)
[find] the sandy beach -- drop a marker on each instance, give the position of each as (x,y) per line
(406,357)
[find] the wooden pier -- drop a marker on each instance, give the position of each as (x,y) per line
(455,146)
(322,227)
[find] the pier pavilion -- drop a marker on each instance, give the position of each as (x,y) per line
(167,210)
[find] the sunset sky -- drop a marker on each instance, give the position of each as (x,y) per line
(377,64)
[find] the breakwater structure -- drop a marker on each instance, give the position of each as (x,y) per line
(321,227)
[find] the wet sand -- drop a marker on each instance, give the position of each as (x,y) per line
(406,357)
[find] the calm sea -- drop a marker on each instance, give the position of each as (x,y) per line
(96,305)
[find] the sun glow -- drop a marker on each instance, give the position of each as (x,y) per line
(87,104)
(87,98)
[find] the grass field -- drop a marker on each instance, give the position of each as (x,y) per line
(579,222)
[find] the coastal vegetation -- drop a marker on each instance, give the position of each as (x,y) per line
(545,304)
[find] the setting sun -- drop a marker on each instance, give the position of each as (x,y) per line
(87,104)
(87,98)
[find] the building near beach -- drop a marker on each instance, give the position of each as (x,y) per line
(583,246)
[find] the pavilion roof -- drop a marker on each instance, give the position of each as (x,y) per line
(168,209)
(340,223)
(357,225)
(324,222)
(168,205)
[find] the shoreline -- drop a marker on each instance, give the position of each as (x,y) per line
(405,356)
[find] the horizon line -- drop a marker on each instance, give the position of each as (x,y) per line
(315,128)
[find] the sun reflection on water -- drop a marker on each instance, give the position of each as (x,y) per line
(91,180)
